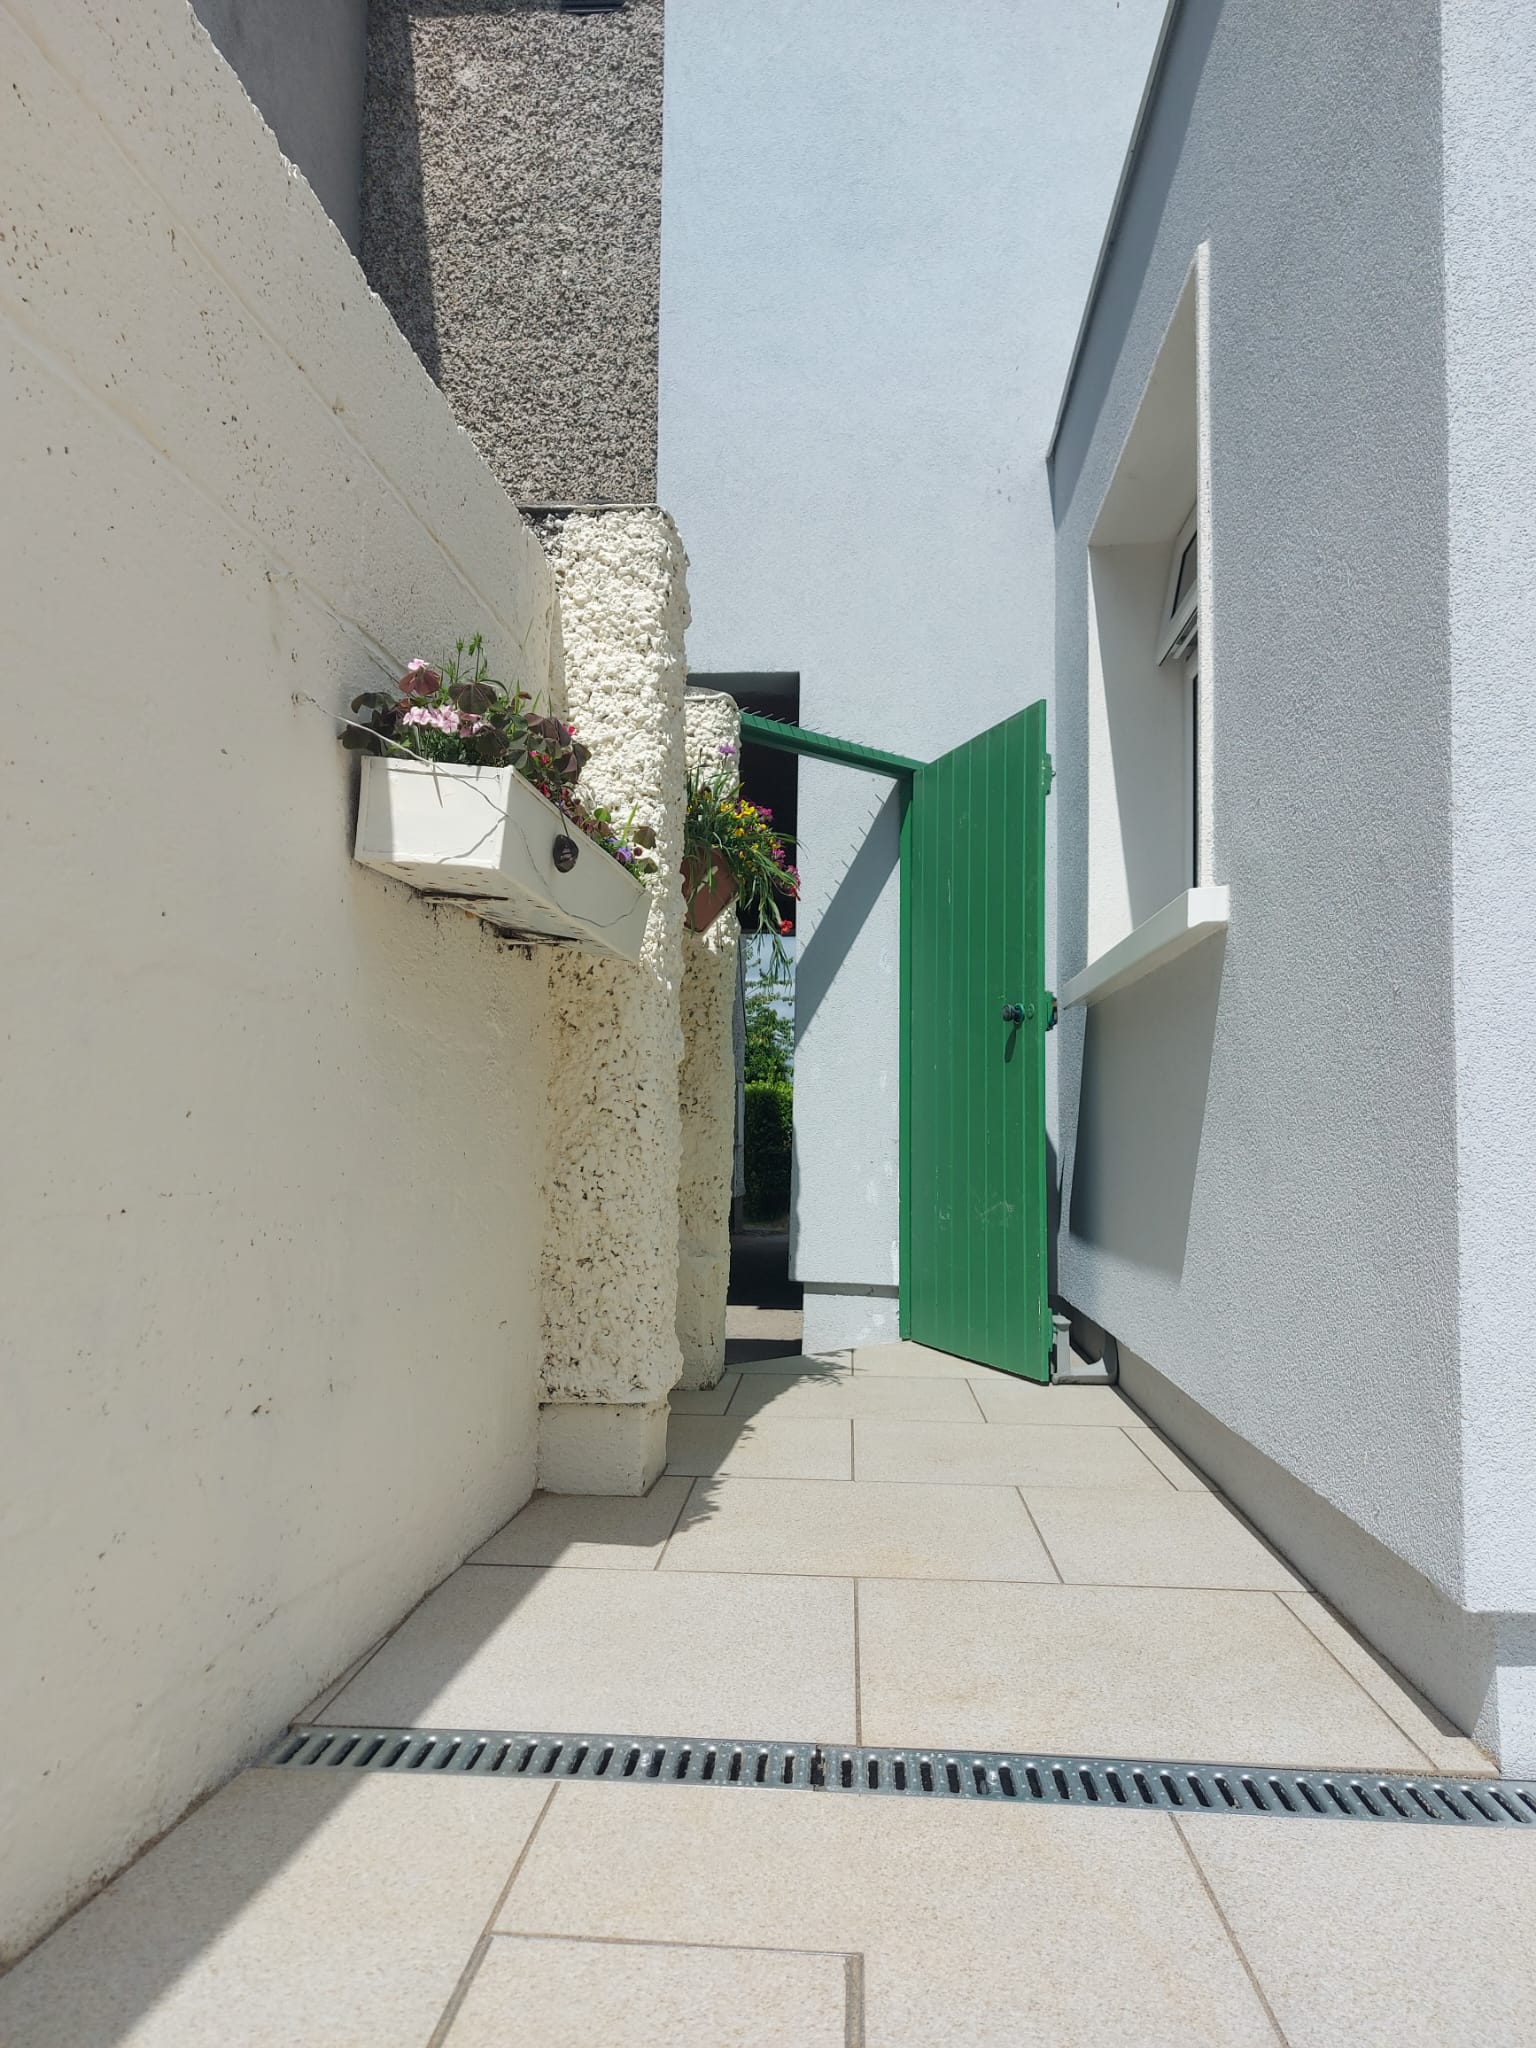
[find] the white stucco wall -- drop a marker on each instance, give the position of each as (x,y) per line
(1297,1165)
(275,1130)
(707,1089)
(878,224)
(610,1278)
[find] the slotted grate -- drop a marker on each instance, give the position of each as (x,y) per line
(1106,1782)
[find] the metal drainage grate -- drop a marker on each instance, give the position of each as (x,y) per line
(922,1774)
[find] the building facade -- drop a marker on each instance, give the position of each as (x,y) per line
(1296,1156)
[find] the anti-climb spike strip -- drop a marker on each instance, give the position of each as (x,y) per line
(1000,1777)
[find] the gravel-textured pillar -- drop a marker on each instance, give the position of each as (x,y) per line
(615,1140)
(707,1091)
(512,225)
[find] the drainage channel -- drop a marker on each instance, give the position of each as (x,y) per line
(1002,1777)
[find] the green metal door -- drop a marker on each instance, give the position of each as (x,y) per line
(974,1018)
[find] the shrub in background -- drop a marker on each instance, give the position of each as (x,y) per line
(768,1141)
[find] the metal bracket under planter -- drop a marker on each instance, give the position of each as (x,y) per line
(486,837)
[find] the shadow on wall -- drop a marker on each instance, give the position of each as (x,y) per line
(396,251)
(1141,1109)
(819,957)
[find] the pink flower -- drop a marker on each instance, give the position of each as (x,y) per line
(442,718)
(420,679)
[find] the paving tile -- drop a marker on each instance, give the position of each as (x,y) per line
(572,1994)
(1000,1454)
(1111,1671)
(1008,1400)
(913,1361)
(1098,1537)
(979,1927)
(1167,1460)
(290,1908)
(611,1531)
(1446,1748)
(1378,1935)
(823,1365)
(898,1532)
(745,1319)
(848,1394)
(704,1400)
(765,1447)
(814,1364)
(594,1651)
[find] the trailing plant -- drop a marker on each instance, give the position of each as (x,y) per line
(459,713)
(723,831)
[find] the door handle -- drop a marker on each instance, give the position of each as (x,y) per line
(1017,1013)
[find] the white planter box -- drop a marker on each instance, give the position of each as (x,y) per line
(486,837)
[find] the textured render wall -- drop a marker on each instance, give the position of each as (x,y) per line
(879,221)
(610,1278)
(1489,68)
(511,221)
(274,1130)
(304,63)
(1261,1142)
(1489,73)
(707,1090)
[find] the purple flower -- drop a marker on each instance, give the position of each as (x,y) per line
(442,717)
(726,751)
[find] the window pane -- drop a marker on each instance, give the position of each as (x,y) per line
(1189,569)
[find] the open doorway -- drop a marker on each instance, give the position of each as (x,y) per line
(763,1305)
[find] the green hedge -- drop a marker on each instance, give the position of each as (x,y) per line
(768,1148)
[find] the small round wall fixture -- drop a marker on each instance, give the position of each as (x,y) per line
(565,854)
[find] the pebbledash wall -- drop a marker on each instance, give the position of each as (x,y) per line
(879,221)
(1298,1163)
(511,222)
(285,1141)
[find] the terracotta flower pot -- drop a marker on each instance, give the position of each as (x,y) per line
(706,893)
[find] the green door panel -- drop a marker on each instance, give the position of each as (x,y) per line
(973,1167)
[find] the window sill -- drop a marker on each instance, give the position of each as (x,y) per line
(1197,914)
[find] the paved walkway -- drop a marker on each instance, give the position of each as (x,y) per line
(890,1548)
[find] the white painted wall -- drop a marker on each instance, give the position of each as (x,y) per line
(878,224)
(275,1131)
(1297,1165)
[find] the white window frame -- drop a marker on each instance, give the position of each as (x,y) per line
(1176,636)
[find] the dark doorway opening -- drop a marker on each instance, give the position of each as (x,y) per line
(763,1305)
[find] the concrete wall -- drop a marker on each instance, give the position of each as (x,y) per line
(1278,1180)
(879,220)
(275,1130)
(511,223)
(304,63)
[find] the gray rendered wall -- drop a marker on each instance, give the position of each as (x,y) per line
(511,223)
(304,62)
(1260,1142)
(879,222)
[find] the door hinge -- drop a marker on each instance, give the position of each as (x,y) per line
(1050,1011)
(1050,774)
